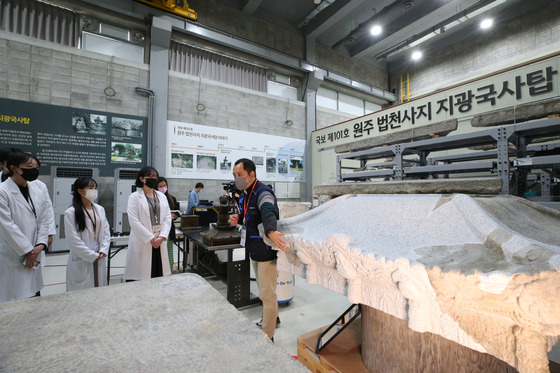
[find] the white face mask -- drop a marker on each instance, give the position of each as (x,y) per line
(91,194)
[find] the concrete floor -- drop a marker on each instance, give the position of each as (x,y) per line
(312,307)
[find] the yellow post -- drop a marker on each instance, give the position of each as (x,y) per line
(405,90)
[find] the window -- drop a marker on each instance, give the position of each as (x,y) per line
(334,100)
(112,47)
(112,40)
(41,21)
(207,64)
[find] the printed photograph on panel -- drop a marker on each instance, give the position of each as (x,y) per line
(97,124)
(126,127)
(225,164)
(206,162)
(80,122)
(296,164)
(283,166)
(125,152)
(271,165)
(179,160)
(258,160)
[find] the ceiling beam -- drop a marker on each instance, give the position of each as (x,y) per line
(251,6)
(424,23)
(329,17)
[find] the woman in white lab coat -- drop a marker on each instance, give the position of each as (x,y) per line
(24,230)
(88,236)
(150,221)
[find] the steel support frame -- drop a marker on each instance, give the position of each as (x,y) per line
(502,135)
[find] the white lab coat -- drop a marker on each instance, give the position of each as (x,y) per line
(20,231)
(85,247)
(139,253)
(49,213)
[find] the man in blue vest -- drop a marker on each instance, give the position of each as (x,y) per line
(258,205)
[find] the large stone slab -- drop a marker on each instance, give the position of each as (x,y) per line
(518,113)
(483,271)
(176,323)
(482,185)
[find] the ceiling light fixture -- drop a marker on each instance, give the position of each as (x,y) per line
(486,23)
(317,2)
(376,30)
(416,55)
(447,24)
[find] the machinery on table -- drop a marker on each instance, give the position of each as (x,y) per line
(222,232)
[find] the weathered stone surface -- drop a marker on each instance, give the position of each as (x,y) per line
(441,186)
(176,323)
(415,133)
(289,209)
(481,271)
(519,113)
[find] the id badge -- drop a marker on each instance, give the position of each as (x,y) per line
(243,236)
(156,229)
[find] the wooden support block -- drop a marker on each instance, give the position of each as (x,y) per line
(553,116)
(342,355)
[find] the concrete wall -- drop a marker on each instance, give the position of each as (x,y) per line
(517,40)
(235,22)
(37,71)
(229,107)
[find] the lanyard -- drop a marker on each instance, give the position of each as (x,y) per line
(93,220)
(32,205)
(154,207)
(246,203)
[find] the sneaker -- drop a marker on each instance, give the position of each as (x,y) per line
(259,324)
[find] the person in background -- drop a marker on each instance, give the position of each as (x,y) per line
(45,200)
(258,205)
(23,230)
(150,221)
(193,198)
(4,155)
(174,206)
(88,236)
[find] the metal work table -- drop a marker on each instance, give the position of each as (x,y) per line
(117,244)
(237,276)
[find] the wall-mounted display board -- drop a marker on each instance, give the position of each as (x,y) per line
(205,152)
(64,136)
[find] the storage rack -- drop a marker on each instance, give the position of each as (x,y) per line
(511,164)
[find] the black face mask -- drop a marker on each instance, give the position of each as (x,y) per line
(29,174)
(151,183)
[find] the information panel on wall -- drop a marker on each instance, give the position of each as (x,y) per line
(206,152)
(64,136)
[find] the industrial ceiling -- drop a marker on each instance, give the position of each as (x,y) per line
(344,25)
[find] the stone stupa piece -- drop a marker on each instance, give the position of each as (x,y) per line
(222,232)
(481,271)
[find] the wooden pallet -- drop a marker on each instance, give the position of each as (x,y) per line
(341,355)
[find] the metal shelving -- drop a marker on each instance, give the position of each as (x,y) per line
(507,162)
